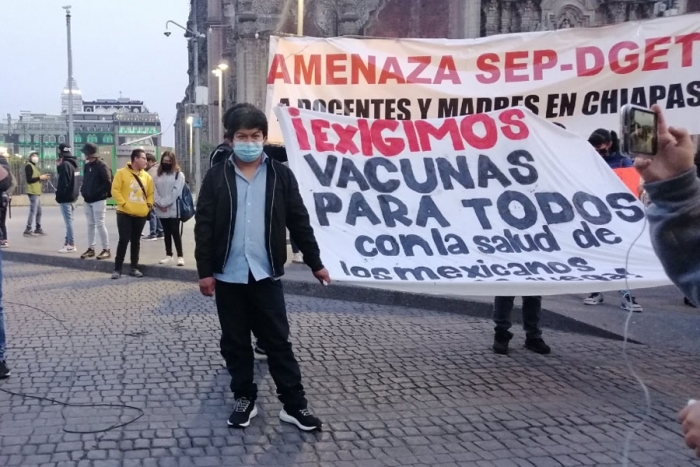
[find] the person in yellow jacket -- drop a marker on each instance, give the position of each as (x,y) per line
(132,189)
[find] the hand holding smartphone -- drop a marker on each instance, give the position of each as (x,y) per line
(639,131)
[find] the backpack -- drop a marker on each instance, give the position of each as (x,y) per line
(185,203)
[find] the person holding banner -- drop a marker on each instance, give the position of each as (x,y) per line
(502,309)
(245,205)
(608,146)
(674,223)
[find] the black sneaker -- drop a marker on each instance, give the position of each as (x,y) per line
(4,371)
(116,274)
(135,273)
(259,353)
(150,238)
(302,418)
(243,412)
(537,345)
(39,232)
(90,253)
(500,342)
(28,233)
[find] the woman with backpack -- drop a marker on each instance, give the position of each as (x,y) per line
(169,183)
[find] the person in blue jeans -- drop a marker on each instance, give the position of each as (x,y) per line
(5,183)
(66,193)
(34,179)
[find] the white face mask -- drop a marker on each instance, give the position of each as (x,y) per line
(34,160)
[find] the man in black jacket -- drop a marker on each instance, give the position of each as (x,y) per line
(67,193)
(245,205)
(5,184)
(96,188)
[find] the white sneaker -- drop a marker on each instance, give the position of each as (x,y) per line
(67,249)
(167,260)
(629,303)
(594,299)
(298,258)
(181,261)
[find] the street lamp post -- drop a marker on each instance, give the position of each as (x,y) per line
(71,129)
(300,17)
(194,38)
(219,73)
(190,121)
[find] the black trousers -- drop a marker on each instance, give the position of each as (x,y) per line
(171,230)
(532,306)
(130,229)
(258,307)
(3,224)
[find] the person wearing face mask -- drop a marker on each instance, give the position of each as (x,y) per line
(132,189)
(67,191)
(34,179)
(96,188)
(608,146)
(169,182)
(245,205)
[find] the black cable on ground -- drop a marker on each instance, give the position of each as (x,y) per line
(68,404)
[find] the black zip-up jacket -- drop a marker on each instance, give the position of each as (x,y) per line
(65,188)
(97,183)
(284,209)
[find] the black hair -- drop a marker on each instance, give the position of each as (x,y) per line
(559,125)
(602,136)
(244,117)
(150,157)
(135,153)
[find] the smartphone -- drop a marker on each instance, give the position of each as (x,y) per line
(639,131)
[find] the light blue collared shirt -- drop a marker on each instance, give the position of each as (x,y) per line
(248,251)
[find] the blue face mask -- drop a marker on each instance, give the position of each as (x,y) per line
(248,152)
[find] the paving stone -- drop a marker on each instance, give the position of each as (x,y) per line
(395,386)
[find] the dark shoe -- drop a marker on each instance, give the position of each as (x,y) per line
(150,238)
(116,274)
(39,232)
(135,273)
(160,236)
(500,342)
(302,418)
(104,255)
(243,412)
(687,301)
(4,371)
(537,345)
(90,253)
(259,353)
(28,233)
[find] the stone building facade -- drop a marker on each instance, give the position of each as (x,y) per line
(238,32)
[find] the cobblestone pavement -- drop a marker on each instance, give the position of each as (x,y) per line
(395,386)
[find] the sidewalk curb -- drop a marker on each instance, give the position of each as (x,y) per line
(349,293)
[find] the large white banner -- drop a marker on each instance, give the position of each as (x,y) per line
(503,203)
(580,77)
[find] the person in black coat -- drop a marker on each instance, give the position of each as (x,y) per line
(96,188)
(67,192)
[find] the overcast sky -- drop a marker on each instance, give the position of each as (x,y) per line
(118,46)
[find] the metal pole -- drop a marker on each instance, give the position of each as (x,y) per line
(71,130)
(300,17)
(191,147)
(198,158)
(221,104)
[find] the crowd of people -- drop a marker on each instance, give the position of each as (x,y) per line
(248,202)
